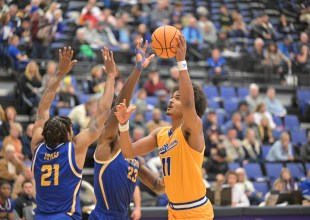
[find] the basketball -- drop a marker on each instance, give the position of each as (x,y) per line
(161,41)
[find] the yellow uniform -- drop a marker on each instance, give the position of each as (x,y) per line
(182,175)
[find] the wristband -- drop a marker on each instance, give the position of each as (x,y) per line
(139,65)
(124,127)
(182,65)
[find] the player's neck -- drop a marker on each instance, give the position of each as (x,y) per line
(176,123)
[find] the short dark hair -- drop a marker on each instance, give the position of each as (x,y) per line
(200,99)
(56,130)
(26,181)
(4,182)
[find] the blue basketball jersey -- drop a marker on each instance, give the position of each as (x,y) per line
(6,208)
(58,180)
(114,183)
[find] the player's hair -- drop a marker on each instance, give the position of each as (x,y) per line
(26,181)
(200,99)
(56,130)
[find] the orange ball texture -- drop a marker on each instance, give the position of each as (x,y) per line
(161,41)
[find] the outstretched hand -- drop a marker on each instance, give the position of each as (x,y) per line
(180,48)
(110,66)
(123,113)
(65,62)
(140,54)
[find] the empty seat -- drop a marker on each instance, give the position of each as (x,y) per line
(228,92)
(261,187)
(213,104)
(64,111)
(297,170)
(291,122)
(230,106)
(278,121)
(151,100)
(273,170)
(211,92)
(220,118)
(265,149)
(253,170)
(243,92)
(233,166)
(299,137)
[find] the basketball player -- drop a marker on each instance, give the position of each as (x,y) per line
(6,203)
(58,157)
(115,178)
(181,146)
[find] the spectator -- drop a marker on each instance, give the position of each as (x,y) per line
(192,33)
(278,186)
(107,17)
(10,166)
(239,198)
(57,24)
(257,57)
(9,118)
(24,203)
(14,19)
(262,112)
(3,7)
(303,58)
(26,142)
(285,27)
(281,150)
(217,67)
(225,18)
(142,32)
(262,28)
(286,177)
(243,109)
(279,63)
(138,121)
(23,32)
(250,124)
(81,114)
(222,43)
(91,12)
(161,14)
(248,187)
(6,31)
(233,146)
(162,103)
(236,123)
(154,83)
(207,28)
(67,97)
(141,105)
(30,82)
(82,47)
(13,139)
(20,60)
(265,132)
(156,121)
(288,48)
(274,106)
(216,164)
(7,204)
(251,147)
(121,33)
(96,84)
(26,175)
(253,98)
(50,12)
(50,70)
(238,28)
(173,80)
(305,150)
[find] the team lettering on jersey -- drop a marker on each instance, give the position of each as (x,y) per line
(133,162)
(164,149)
(51,156)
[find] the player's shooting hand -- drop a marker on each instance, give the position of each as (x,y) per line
(180,48)
(108,58)
(65,62)
(140,53)
(123,113)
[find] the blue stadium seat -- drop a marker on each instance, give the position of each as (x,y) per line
(243,92)
(278,121)
(303,97)
(151,100)
(228,92)
(297,170)
(307,167)
(265,149)
(299,137)
(84,98)
(233,166)
(220,118)
(277,134)
(148,116)
(273,170)
(253,170)
(261,187)
(291,122)
(64,111)
(211,92)
(213,104)
(230,106)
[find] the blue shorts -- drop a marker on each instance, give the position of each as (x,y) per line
(59,216)
(107,215)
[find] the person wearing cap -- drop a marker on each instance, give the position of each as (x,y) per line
(10,166)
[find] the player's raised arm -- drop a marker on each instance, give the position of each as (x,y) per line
(95,126)
(111,127)
(140,147)
(192,124)
(42,115)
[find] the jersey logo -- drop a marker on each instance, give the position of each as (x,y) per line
(164,149)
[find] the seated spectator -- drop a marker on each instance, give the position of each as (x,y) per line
(253,98)
(26,142)
(104,37)
(248,187)
(141,105)
(121,32)
(24,203)
(10,166)
(192,33)
(142,32)
(173,79)
(278,186)
(287,178)
(279,63)
(81,47)
(207,28)
(30,83)
(285,27)
(225,18)
(239,198)
(243,109)
(222,42)
(3,7)
(96,84)
(303,58)
(57,24)
(161,14)
(156,121)
(305,150)
(50,70)
(52,8)
(154,83)
(9,118)
(91,12)
(162,103)
(262,28)
(288,47)
(216,164)
(138,121)
(281,150)
(233,146)
(107,17)
(250,124)
(23,32)
(304,187)
(13,139)
(7,204)
(26,175)
(81,114)
(236,123)
(20,60)
(274,105)
(257,59)
(265,131)
(262,112)
(217,67)
(251,147)
(6,31)
(238,28)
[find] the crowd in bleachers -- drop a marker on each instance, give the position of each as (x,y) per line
(252,143)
